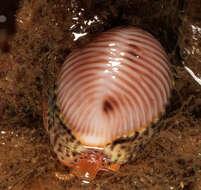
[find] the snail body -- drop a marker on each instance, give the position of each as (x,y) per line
(106,98)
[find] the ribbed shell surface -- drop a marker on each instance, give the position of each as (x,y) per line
(117,84)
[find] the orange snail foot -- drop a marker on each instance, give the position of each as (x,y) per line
(88,165)
(66,164)
(113,167)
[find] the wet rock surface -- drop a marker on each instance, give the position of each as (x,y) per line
(45,33)
(190,39)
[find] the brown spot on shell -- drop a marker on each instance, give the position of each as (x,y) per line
(107,107)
